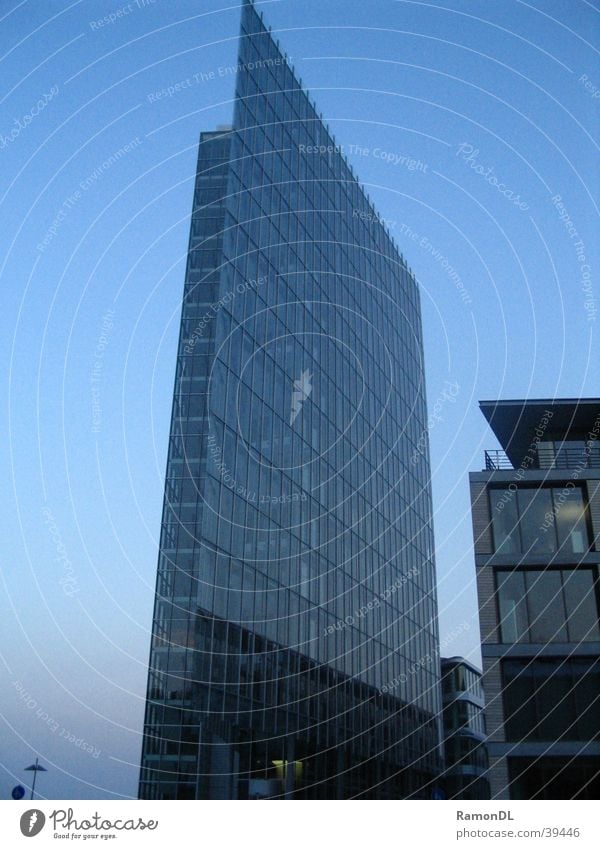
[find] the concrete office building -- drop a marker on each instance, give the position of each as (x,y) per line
(465,751)
(536,520)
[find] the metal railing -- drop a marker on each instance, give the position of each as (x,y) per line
(547,458)
(496,460)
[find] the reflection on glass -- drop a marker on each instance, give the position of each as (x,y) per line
(535,509)
(570,520)
(581,604)
(505,521)
(547,606)
(512,607)
(539,521)
(551,698)
(545,455)
(546,609)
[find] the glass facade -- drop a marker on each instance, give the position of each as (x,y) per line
(553,605)
(294,648)
(539,520)
(459,678)
(551,698)
(464,731)
(555,778)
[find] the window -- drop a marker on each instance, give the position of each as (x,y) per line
(534,506)
(551,699)
(569,454)
(512,606)
(554,605)
(462,714)
(546,608)
(539,520)
(554,778)
(503,504)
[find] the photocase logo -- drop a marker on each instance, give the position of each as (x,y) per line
(32,822)
(301,391)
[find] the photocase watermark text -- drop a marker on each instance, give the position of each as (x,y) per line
(447,395)
(67,580)
(470,156)
(25,120)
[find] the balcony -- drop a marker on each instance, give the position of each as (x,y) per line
(547,458)
(495,461)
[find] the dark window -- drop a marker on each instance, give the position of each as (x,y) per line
(554,778)
(547,621)
(549,699)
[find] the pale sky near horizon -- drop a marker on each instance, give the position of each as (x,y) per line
(472,125)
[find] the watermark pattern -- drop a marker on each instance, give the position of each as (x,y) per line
(594,90)
(425,661)
(198,332)
(202,77)
(118,14)
(470,156)
(444,263)
(569,487)
(585,269)
(65,207)
(97,367)
(73,199)
(529,458)
(351,619)
(25,120)
(425,245)
(448,395)
(302,388)
(374,218)
(53,724)
(390,157)
(108,163)
(216,454)
(67,580)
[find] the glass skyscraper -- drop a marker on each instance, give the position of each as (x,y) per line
(295,646)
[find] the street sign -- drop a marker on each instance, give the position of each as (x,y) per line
(18,792)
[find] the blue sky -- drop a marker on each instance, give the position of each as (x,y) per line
(471,124)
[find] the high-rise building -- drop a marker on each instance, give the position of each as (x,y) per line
(465,751)
(295,645)
(536,520)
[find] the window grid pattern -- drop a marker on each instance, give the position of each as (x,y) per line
(277,537)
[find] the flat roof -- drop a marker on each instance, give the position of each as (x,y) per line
(516,423)
(457,660)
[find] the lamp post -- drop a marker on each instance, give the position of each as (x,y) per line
(35,768)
